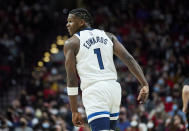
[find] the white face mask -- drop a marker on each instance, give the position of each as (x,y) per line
(150,125)
(54,71)
(9,123)
(63,110)
(35,121)
(45,125)
(53,111)
(175,107)
(134,123)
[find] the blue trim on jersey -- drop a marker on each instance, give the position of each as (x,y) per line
(100,124)
(97,113)
(78,33)
(84,29)
(114,114)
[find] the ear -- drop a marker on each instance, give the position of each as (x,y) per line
(81,23)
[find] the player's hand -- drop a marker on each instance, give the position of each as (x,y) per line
(143,95)
(77,119)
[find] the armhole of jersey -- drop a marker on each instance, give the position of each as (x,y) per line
(109,38)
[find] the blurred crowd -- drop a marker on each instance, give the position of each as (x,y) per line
(155,32)
(22,27)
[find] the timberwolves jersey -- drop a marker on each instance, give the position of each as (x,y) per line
(95,57)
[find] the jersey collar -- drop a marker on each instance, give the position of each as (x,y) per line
(87,28)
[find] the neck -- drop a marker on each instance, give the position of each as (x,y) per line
(86,26)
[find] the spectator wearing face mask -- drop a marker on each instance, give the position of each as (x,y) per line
(176,124)
(46,125)
(123,123)
(150,126)
(176,110)
(23,125)
(134,126)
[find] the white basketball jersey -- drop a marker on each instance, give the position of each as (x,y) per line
(95,57)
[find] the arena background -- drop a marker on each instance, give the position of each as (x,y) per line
(32,72)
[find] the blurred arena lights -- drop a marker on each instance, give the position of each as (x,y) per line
(54,49)
(47,54)
(60,42)
(65,37)
(46,59)
(59,37)
(40,63)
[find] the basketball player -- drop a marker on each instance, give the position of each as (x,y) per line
(90,53)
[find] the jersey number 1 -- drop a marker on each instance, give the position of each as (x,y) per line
(99,57)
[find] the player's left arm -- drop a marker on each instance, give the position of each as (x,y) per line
(70,51)
(121,52)
(185,95)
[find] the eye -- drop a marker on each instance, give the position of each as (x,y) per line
(69,21)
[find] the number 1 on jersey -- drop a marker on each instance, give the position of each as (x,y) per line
(99,57)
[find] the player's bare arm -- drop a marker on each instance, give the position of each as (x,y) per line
(70,50)
(185,97)
(133,66)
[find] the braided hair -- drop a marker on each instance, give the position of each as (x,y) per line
(82,14)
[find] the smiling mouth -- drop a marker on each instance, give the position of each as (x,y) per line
(69,30)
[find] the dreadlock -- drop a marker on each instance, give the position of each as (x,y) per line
(82,14)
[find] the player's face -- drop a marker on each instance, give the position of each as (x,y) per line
(73,24)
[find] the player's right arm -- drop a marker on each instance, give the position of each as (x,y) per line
(133,66)
(71,47)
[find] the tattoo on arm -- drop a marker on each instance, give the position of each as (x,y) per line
(136,69)
(70,64)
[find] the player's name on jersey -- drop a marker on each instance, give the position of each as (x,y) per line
(93,40)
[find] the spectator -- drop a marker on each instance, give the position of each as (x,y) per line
(123,122)
(176,124)
(23,125)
